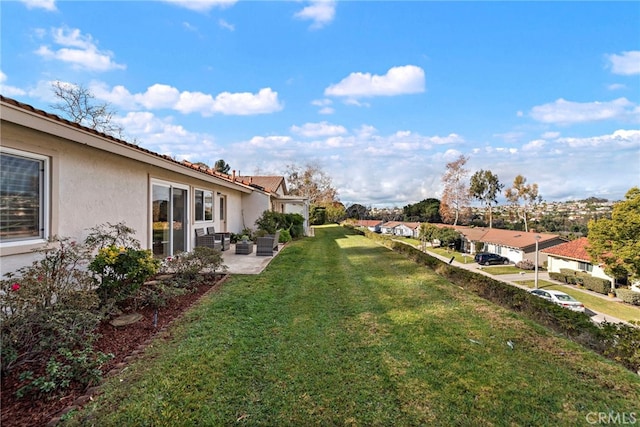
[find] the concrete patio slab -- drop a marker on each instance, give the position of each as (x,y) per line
(246,264)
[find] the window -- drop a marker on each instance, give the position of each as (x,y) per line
(23,196)
(204,205)
(585,266)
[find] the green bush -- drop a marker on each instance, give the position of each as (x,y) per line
(121,271)
(269,222)
(284,236)
(628,296)
(596,284)
(49,304)
(188,267)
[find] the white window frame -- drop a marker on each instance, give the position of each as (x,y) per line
(213,203)
(45,200)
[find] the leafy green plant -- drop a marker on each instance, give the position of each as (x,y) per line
(49,304)
(83,366)
(188,266)
(121,271)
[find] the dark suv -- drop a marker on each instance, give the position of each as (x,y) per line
(485,258)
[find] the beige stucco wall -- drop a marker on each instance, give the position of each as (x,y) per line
(254,205)
(89,187)
(555,264)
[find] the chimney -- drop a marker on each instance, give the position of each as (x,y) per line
(233,177)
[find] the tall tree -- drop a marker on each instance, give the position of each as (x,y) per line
(356,211)
(312,182)
(222,166)
(615,242)
(79,105)
(455,194)
(528,193)
(426,210)
(485,187)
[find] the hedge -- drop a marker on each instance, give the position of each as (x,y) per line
(616,341)
(628,296)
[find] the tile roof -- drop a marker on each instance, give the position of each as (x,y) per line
(269,183)
(575,249)
(42,113)
(368,222)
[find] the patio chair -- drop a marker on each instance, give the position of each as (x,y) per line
(264,246)
(225,238)
(207,240)
(268,244)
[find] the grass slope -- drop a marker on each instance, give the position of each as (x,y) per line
(341,331)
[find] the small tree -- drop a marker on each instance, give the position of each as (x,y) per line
(485,187)
(529,195)
(222,166)
(616,242)
(455,194)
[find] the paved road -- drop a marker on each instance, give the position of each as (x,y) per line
(542,275)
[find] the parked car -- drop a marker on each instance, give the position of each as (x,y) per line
(560,298)
(486,258)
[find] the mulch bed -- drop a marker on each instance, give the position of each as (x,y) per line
(124,342)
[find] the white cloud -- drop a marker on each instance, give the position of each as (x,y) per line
(9,91)
(78,50)
(269,141)
(313,130)
(619,139)
(534,145)
(49,5)
(616,86)
(408,79)
(202,5)
(224,24)
(626,64)
(321,12)
(242,104)
(568,112)
(160,96)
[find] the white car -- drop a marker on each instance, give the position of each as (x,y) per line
(560,298)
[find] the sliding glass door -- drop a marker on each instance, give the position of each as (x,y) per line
(169,219)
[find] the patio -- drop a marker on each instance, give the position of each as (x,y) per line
(246,264)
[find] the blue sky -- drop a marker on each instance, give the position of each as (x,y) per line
(380,94)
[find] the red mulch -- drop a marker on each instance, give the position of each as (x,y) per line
(120,341)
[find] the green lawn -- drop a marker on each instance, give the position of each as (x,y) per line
(338,330)
(602,305)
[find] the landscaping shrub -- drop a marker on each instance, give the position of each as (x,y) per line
(284,236)
(48,306)
(596,284)
(628,296)
(269,222)
(525,264)
(558,276)
(187,267)
(121,271)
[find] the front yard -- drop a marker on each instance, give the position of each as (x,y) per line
(338,330)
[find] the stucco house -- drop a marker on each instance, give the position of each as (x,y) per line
(407,229)
(513,244)
(573,255)
(279,199)
(372,224)
(61,178)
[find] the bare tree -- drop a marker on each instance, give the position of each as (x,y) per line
(78,105)
(485,187)
(455,195)
(529,195)
(312,182)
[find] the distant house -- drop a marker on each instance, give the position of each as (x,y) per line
(407,229)
(389,226)
(279,199)
(372,225)
(61,178)
(573,255)
(515,245)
